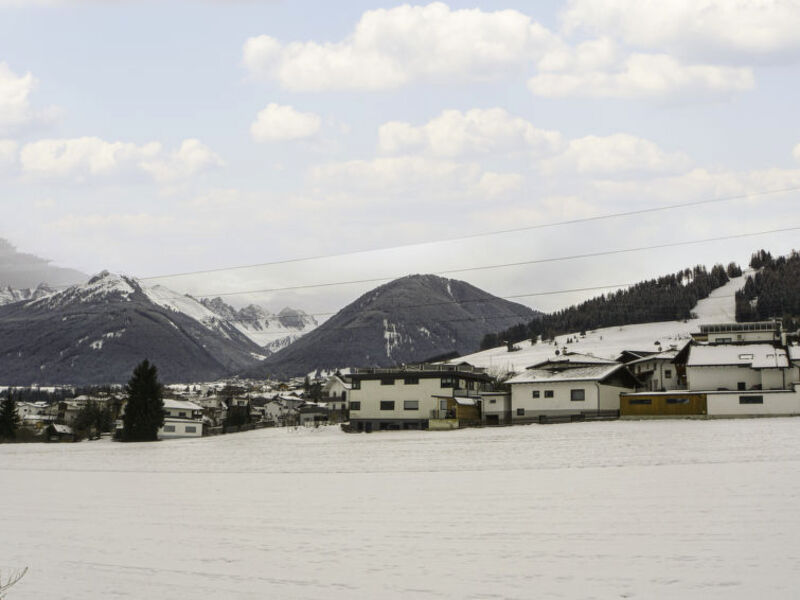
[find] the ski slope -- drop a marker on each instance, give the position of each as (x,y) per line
(626,509)
(719,307)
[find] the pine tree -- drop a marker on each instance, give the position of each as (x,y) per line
(144,412)
(9,418)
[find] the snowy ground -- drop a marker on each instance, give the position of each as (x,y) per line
(719,307)
(625,509)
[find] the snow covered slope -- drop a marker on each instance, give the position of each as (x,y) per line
(719,307)
(9,295)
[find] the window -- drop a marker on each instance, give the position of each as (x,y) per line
(667,373)
(741,386)
(577,395)
(548,393)
(411,380)
(520,412)
(355,405)
(640,401)
(356,385)
(387,404)
(443,404)
(535,394)
(751,399)
(411,405)
(182,414)
(745,357)
(677,401)
(169,428)
(191,429)
(448,382)
(387,380)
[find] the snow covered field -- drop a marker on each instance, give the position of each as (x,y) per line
(625,509)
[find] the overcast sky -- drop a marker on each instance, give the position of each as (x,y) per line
(153,138)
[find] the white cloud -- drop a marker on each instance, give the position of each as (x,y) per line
(139,224)
(499,184)
(192,157)
(15,108)
(796,152)
(477,131)
(392,47)
(278,123)
(78,159)
(638,76)
(711,28)
(617,155)
(8,153)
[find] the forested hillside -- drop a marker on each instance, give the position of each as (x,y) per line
(667,298)
(773,292)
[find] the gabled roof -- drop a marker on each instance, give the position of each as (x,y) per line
(665,355)
(590,373)
(755,356)
(574,358)
(181,404)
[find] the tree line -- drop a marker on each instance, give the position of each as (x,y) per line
(773,292)
(666,298)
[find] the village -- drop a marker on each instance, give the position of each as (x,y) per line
(723,370)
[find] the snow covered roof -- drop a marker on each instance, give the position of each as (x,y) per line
(181,404)
(756,356)
(65,429)
(591,373)
(576,358)
(466,401)
(665,355)
(794,352)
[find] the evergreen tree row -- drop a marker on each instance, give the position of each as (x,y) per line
(667,298)
(773,292)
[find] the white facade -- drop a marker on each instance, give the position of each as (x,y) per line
(495,408)
(737,367)
(755,403)
(182,419)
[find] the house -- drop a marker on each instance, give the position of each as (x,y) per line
(662,371)
(557,392)
(737,367)
(408,397)
(496,408)
(56,432)
(311,414)
(181,419)
(335,393)
(280,413)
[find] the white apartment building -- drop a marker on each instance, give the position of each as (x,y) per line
(408,397)
(181,419)
(738,367)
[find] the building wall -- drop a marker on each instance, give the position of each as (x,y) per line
(174,428)
(559,404)
(662,404)
(713,378)
(773,379)
(501,407)
(609,396)
(773,403)
(372,393)
(741,337)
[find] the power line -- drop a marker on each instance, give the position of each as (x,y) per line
(512,264)
(629,213)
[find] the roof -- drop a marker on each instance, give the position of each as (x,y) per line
(755,356)
(794,352)
(178,404)
(665,355)
(466,401)
(592,373)
(65,429)
(575,358)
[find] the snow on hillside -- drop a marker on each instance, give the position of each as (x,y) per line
(625,509)
(719,307)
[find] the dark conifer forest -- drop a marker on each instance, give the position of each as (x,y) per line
(666,298)
(773,292)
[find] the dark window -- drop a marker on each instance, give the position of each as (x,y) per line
(577,395)
(448,382)
(667,374)
(191,429)
(169,428)
(470,385)
(411,380)
(387,380)
(443,404)
(181,414)
(751,399)
(387,404)
(355,405)
(640,401)
(548,393)
(677,401)
(741,385)
(411,405)
(356,384)
(520,412)
(492,401)
(535,393)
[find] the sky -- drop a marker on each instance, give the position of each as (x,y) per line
(160,138)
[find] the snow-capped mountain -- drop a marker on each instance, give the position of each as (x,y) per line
(407,320)
(270,331)
(98,331)
(9,295)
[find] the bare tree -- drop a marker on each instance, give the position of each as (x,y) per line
(9,580)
